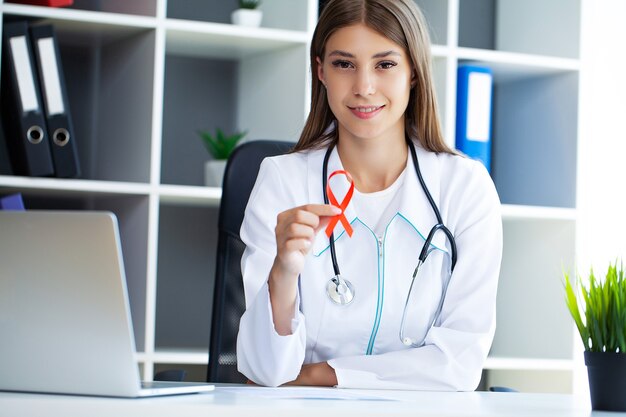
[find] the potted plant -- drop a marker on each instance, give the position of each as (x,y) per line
(599,311)
(247,14)
(220,146)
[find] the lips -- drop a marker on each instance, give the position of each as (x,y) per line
(366,112)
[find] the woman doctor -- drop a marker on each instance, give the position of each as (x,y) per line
(373,105)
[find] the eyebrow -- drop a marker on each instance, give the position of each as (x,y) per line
(375,56)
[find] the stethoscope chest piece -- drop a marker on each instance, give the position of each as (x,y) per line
(340,290)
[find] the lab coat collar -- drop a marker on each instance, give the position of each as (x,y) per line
(414,208)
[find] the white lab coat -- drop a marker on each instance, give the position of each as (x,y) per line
(360,341)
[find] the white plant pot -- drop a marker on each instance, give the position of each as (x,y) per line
(214,172)
(247,17)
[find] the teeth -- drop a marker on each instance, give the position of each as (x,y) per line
(366,109)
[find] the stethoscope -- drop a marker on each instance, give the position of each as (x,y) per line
(341,290)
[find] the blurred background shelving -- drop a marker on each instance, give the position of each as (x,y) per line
(144,76)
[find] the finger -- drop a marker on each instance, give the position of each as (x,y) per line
(302,245)
(323,223)
(323,209)
(297,230)
(311,214)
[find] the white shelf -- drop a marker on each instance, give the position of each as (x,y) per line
(520,212)
(176,356)
(439,51)
(226,41)
(190,195)
(71,186)
(80,16)
(509,66)
(499,363)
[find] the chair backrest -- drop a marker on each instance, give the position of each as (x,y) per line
(228,297)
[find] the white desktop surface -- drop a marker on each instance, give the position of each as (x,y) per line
(229,400)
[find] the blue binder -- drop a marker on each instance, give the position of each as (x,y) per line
(473,112)
(12,202)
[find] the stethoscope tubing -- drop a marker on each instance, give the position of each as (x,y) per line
(439,226)
(333,252)
(337,287)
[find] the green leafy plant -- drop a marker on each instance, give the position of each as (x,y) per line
(249,4)
(599,310)
(220,146)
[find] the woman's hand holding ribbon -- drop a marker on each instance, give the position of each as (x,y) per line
(295,231)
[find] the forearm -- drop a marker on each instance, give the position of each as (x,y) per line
(316,374)
(263,355)
(283,290)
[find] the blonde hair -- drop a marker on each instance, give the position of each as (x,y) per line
(402,22)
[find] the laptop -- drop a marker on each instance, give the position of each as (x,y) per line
(65,323)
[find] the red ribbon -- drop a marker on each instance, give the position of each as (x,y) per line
(346,200)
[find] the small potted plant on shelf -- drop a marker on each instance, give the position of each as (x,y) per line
(599,311)
(247,14)
(220,146)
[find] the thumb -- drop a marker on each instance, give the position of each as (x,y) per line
(324,220)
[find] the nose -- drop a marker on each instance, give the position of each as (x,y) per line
(364,83)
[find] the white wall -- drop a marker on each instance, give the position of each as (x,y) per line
(602,150)
(602,154)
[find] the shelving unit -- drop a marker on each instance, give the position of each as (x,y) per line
(144,76)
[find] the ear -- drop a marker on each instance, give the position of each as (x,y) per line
(320,70)
(413,78)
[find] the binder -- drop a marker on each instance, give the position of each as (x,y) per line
(5,163)
(12,202)
(473,112)
(55,101)
(22,113)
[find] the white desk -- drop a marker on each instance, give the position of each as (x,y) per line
(261,402)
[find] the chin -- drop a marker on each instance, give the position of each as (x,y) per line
(366,134)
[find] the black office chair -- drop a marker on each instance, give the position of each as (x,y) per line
(228,297)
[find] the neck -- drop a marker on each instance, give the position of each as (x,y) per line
(374,164)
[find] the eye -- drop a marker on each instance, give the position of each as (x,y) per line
(342,64)
(386,65)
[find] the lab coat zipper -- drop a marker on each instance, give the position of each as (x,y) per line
(381,291)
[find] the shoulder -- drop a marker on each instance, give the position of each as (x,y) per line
(459,166)
(295,166)
(290,174)
(289,162)
(465,183)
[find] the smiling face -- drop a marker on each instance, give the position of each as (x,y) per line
(368,82)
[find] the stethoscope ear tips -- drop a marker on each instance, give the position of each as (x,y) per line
(407,341)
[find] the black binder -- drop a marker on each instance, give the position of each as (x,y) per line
(5,163)
(54,94)
(22,111)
